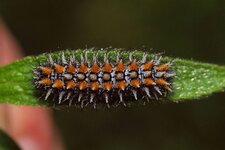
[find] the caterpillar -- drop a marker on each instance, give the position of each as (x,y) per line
(111,81)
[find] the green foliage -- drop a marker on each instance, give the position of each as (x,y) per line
(193,81)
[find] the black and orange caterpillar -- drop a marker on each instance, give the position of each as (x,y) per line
(70,81)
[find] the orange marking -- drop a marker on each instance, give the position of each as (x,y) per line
(83,68)
(133,65)
(58,84)
(59,68)
(95,68)
(45,81)
(121,85)
(70,84)
(83,85)
(135,83)
(147,65)
(120,66)
(107,67)
(45,70)
(107,85)
(71,69)
(162,82)
(162,67)
(149,81)
(94,86)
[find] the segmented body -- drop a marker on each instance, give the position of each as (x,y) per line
(84,82)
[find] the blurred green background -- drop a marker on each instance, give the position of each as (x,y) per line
(193,29)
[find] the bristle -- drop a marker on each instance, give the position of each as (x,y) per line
(144,58)
(134,93)
(82,58)
(147,92)
(157,90)
(121,98)
(48,94)
(86,56)
(82,82)
(106,58)
(61,96)
(79,98)
(156,95)
(68,95)
(92,98)
(131,57)
(107,100)
(72,59)
(50,60)
(118,58)
(63,59)
(157,60)
(94,58)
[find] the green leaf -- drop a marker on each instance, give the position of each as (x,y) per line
(6,143)
(193,81)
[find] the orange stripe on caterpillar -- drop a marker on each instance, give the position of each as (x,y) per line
(70,84)
(45,81)
(58,84)
(83,85)
(59,68)
(83,68)
(147,65)
(133,65)
(120,66)
(107,67)
(135,83)
(94,86)
(95,68)
(162,82)
(45,70)
(71,69)
(107,86)
(149,82)
(163,67)
(121,85)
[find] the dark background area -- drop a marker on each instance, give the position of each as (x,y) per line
(193,29)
